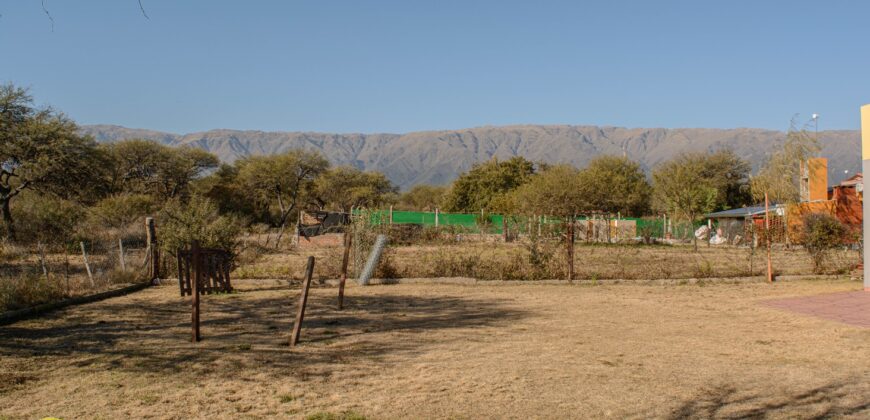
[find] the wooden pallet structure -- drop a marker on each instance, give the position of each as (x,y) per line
(215,276)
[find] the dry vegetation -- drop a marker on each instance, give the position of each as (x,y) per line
(24,283)
(446,351)
(514,261)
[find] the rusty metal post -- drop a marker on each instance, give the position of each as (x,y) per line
(196,256)
(767,237)
(348,240)
(303,299)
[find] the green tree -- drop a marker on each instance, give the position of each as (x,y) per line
(729,175)
(615,184)
(422,197)
(40,150)
(556,191)
(146,167)
(820,234)
(344,187)
(286,180)
(682,189)
(224,189)
(196,219)
(477,188)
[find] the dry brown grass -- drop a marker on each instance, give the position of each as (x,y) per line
(510,261)
(442,351)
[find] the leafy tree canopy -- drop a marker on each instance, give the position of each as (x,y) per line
(615,185)
(344,187)
(422,197)
(41,150)
(146,167)
(477,188)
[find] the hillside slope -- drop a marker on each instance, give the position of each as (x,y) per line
(437,157)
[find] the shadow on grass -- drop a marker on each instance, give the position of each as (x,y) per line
(248,331)
(839,399)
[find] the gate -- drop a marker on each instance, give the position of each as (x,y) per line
(215,265)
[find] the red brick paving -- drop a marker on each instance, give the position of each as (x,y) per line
(851,308)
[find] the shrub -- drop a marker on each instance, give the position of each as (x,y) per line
(121,210)
(821,233)
(45,218)
(198,219)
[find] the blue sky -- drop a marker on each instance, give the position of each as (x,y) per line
(399,66)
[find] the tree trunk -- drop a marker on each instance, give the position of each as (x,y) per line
(7,218)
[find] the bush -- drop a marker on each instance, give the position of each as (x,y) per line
(181,223)
(121,211)
(821,233)
(45,218)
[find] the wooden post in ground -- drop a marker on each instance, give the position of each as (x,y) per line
(196,258)
(41,255)
(303,299)
(437,213)
(767,237)
(348,240)
(504,228)
(121,255)
(391,215)
(87,264)
(151,241)
(569,233)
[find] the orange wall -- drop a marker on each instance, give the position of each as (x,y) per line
(818,178)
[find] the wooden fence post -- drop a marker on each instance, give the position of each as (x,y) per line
(87,264)
(437,213)
(391,215)
(151,240)
(348,240)
(196,256)
(303,299)
(504,228)
(121,255)
(570,248)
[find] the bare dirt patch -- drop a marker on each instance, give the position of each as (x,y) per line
(442,351)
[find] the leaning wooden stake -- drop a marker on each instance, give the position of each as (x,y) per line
(195,255)
(87,265)
(348,240)
(121,255)
(767,237)
(303,299)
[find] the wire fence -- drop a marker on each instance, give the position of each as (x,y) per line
(600,228)
(36,273)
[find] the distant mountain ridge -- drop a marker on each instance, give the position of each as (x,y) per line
(438,157)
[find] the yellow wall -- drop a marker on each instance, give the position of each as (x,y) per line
(865,132)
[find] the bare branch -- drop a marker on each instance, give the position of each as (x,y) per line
(143,10)
(51,19)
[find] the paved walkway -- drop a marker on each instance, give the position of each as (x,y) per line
(851,308)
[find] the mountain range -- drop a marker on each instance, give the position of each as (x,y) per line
(438,157)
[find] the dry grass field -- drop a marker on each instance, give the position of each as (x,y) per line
(442,351)
(510,261)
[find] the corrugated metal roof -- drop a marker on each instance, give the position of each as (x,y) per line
(741,212)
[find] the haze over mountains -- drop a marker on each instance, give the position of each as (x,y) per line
(437,157)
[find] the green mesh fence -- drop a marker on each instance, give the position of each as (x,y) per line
(647,226)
